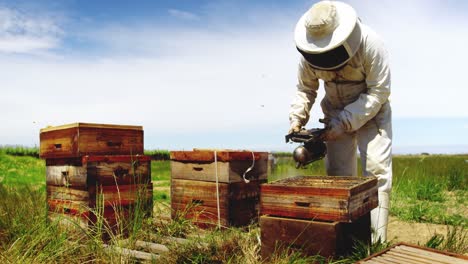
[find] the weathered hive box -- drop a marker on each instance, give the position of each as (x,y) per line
(79,139)
(201,180)
(86,188)
(407,253)
(200,165)
(311,237)
(198,201)
(330,198)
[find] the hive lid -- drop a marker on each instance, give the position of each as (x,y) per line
(90,125)
(348,183)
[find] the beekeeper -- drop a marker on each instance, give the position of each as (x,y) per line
(351,60)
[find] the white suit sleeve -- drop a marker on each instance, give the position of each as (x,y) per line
(305,95)
(377,71)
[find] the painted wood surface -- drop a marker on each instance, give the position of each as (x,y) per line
(197,200)
(343,199)
(79,140)
(310,237)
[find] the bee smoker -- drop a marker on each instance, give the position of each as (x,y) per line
(312,146)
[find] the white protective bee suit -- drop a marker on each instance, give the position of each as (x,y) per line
(356,99)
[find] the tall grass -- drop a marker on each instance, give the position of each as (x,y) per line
(18,150)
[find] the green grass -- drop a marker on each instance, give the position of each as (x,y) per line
(20,150)
(430,189)
(21,170)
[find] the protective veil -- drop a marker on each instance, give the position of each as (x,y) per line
(356,95)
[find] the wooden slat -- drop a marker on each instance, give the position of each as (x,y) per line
(407,253)
(122,195)
(66,193)
(68,220)
(66,175)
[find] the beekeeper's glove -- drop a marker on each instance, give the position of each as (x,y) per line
(295,127)
(335,130)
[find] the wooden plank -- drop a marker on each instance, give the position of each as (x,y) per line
(427,255)
(200,171)
(121,195)
(66,175)
(415,253)
(78,208)
(65,193)
(406,258)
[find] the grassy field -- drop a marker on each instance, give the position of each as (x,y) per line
(429,189)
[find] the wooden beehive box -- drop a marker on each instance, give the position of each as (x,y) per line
(111,186)
(195,192)
(310,238)
(230,165)
(407,253)
(198,201)
(79,139)
(330,198)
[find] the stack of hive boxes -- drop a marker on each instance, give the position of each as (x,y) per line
(316,214)
(208,186)
(96,172)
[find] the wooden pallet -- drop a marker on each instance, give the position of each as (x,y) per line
(411,254)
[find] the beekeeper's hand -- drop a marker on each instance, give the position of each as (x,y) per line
(335,130)
(295,127)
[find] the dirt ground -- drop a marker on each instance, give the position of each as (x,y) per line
(414,233)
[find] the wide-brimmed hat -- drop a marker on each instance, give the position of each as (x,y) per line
(328,26)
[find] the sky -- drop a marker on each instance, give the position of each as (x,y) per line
(216,74)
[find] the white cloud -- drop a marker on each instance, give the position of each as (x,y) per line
(183,14)
(27,33)
(192,80)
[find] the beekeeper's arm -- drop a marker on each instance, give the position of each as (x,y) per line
(305,97)
(377,70)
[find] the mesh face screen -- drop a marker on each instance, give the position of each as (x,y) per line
(327,60)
